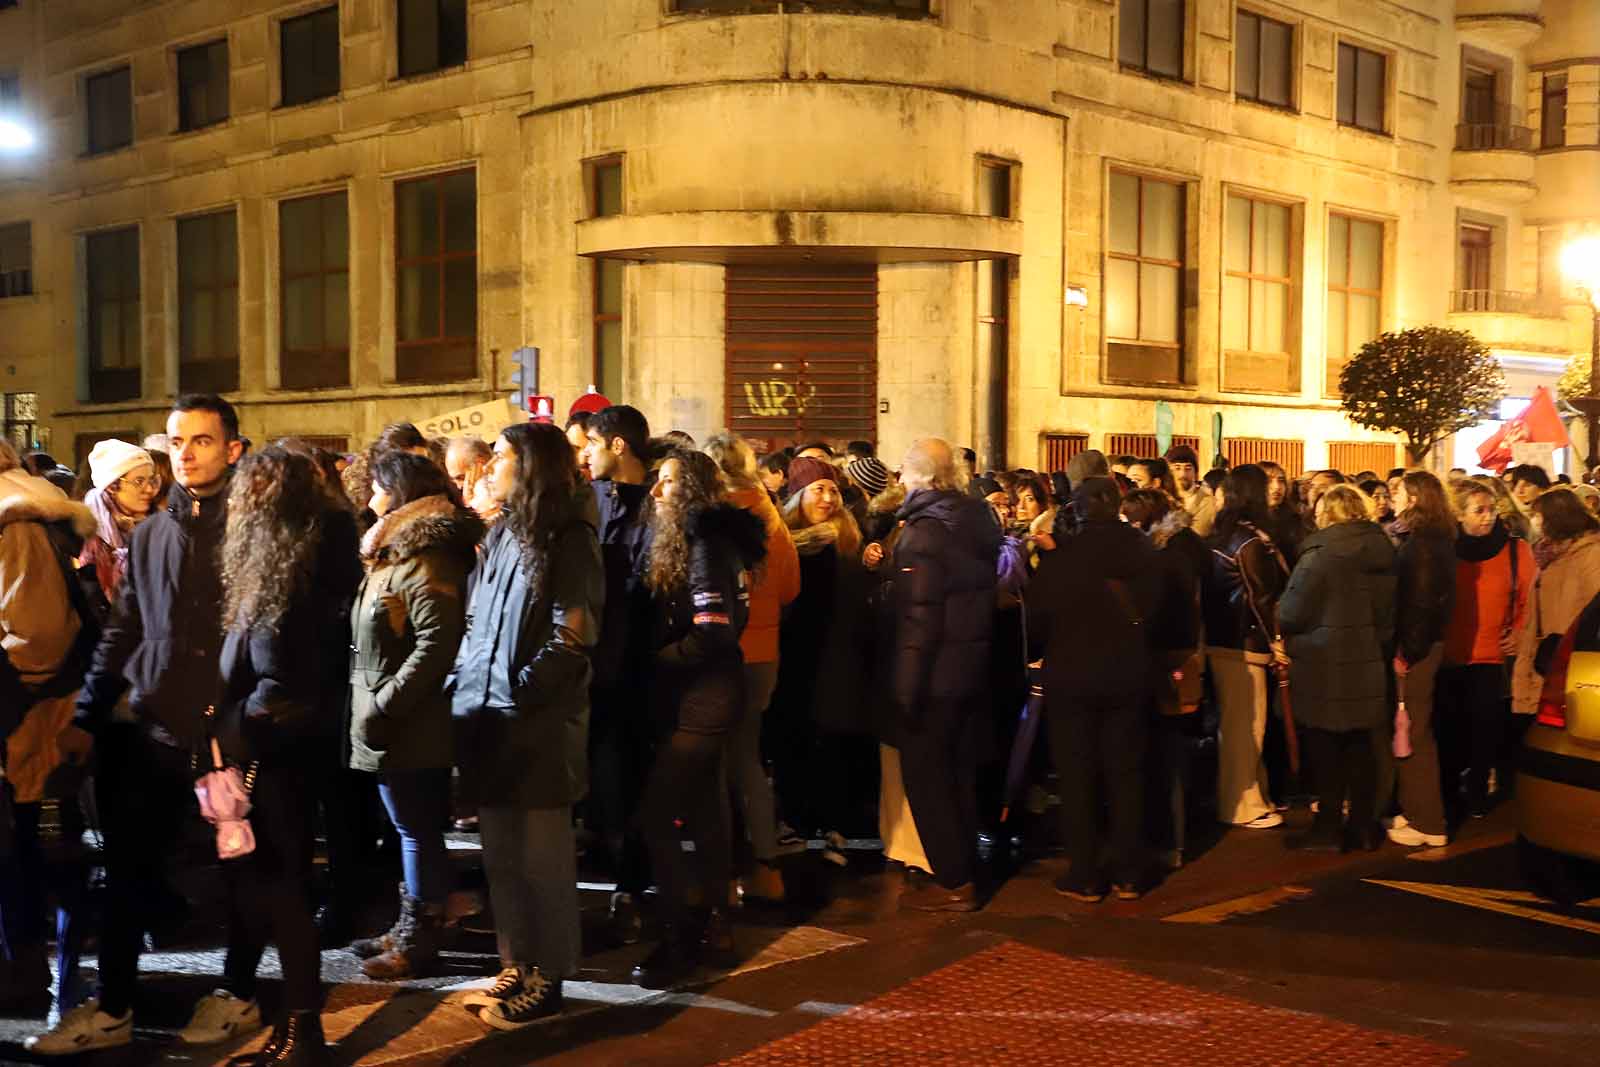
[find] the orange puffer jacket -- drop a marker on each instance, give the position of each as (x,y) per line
(777,583)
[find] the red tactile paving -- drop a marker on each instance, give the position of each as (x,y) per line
(1013,1004)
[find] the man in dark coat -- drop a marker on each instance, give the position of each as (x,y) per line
(161,647)
(617,458)
(1104,607)
(943,597)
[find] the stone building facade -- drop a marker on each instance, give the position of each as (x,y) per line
(1030,225)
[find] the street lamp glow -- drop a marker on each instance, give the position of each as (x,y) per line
(14,136)
(1580,262)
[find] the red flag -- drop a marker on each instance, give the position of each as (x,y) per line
(1539,423)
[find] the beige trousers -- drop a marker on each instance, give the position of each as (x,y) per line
(1241,684)
(896,827)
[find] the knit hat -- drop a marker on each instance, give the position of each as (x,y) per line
(870,474)
(807,469)
(110,460)
(983,485)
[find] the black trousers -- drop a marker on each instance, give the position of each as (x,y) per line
(1474,725)
(620,744)
(1343,767)
(687,782)
(145,793)
(1100,747)
(938,762)
(269,891)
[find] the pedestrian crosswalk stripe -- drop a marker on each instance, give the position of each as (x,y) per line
(1247,905)
(1505,901)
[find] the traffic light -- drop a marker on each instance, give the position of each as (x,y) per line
(525,376)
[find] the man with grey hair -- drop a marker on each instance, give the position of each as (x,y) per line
(942,592)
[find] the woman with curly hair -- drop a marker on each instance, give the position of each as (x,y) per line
(521,712)
(701,555)
(286,587)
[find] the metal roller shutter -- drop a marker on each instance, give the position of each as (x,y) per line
(802,353)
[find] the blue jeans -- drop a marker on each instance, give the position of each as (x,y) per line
(418,803)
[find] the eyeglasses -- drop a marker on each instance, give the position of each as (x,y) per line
(143,482)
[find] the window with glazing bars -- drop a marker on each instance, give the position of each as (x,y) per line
(1363,77)
(436,278)
(109,98)
(900,8)
(1553,111)
(433,35)
(16,259)
(1257,286)
(208,303)
(1144,280)
(1355,290)
(202,85)
(308,54)
(1150,36)
(1263,60)
(111,261)
(314,254)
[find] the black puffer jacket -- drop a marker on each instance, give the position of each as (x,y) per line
(284,688)
(164,636)
(699,668)
(943,598)
(521,700)
(1240,596)
(1427,597)
(625,631)
(1338,624)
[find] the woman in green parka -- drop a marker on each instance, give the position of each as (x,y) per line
(406,628)
(1338,620)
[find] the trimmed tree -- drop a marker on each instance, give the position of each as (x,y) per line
(1424,384)
(1574,381)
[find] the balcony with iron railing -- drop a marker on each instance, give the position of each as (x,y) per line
(905,9)
(1494,159)
(1504,302)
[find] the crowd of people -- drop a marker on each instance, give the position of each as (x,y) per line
(655,643)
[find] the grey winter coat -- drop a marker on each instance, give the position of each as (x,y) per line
(405,631)
(1338,621)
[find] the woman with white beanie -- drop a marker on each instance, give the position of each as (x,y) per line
(125,487)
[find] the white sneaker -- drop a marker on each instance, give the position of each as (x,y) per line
(506,983)
(220,1016)
(1410,835)
(1263,822)
(82,1029)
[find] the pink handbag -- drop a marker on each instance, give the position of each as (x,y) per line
(224,796)
(1402,732)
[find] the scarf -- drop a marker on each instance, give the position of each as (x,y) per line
(812,540)
(1480,549)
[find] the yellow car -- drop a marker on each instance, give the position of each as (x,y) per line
(1558,771)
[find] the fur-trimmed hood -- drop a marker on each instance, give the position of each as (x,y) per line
(24,498)
(742,530)
(433,522)
(888,502)
(1171,524)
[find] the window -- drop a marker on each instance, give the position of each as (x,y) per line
(1474,266)
(1363,78)
(202,85)
(110,101)
(1258,310)
(1060,448)
(1553,112)
(1361,456)
(433,35)
(16,259)
(1263,60)
(112,274)
(1144,280)
(995,193)
(314,253)
(309,54)
(1150,36)
(1290,455)
(1143,445)
(436,278)
(1355,290)
(605,198)
(1477,96)
(208,303)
